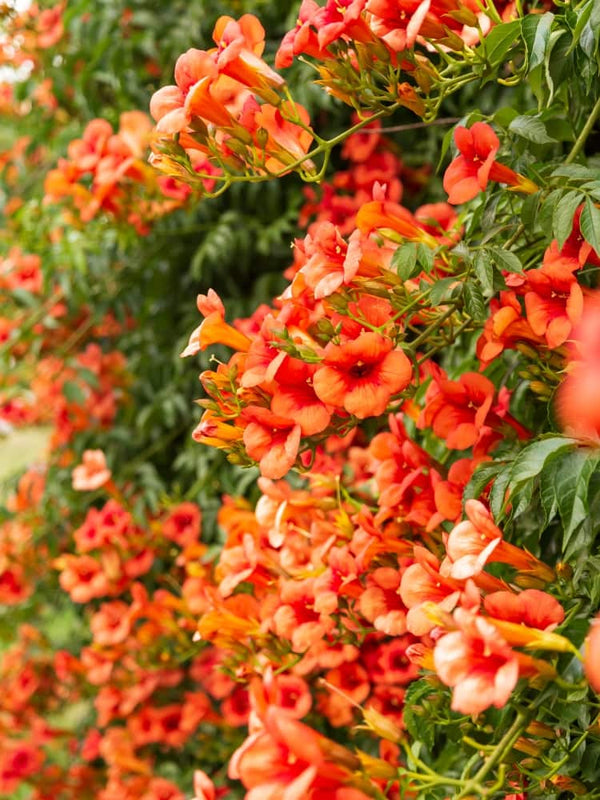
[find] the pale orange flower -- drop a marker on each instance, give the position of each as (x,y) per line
(92,473)
(477,662)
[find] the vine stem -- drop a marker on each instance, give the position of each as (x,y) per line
(503,747)
(585,132)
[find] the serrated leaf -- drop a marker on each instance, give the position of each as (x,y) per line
(414,716)
(532,458)
(485,272)
(575,172)
(506,259)
(530,128)
(572,473)
(498,493)
(474,302)
(404,260)
(529,209)
(425,257)
(589,224)
(481,477)
(440,290)
(562,216)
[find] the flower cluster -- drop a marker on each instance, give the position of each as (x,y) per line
(228,110)
(107,171)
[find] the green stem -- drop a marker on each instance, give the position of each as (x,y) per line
(585,132)
(432,328)
(502,749)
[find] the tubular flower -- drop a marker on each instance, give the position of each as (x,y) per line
(392,221)
(287,759)
(477,540)
(362,375)
(477,662)
(240,44)
(214,329)
(476,165)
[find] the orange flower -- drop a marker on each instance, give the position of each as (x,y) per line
(214,329)
(477,662)
(204,788)
(286,758)
(362,375)
(470,172)
(215,432)
(591,655)
(554,302)
(240,45)
(577,404)
(294,397)
(458,410)
(477,540)
(92,473)
(392,221)
(271,440)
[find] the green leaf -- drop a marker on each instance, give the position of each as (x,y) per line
(484,473)
(415,714)
(440,289)
(575,172)
(530,128)
(536,33)
(506,259)
(562,216)
(474,302)
(73,392)
(425,257)
(589,224)
(532,458)
(485,272)
(529,210)
(572,473)
(404,260)
(24,297)
(499,41)
(498,493)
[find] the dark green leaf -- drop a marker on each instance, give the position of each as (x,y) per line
(498,493)
(532,458)
(590,224)
(474,302)
(485,272)
(529,210)
(505,259)
(562,216)
(572,473)
(481,477)
(530,128)
(536,32)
